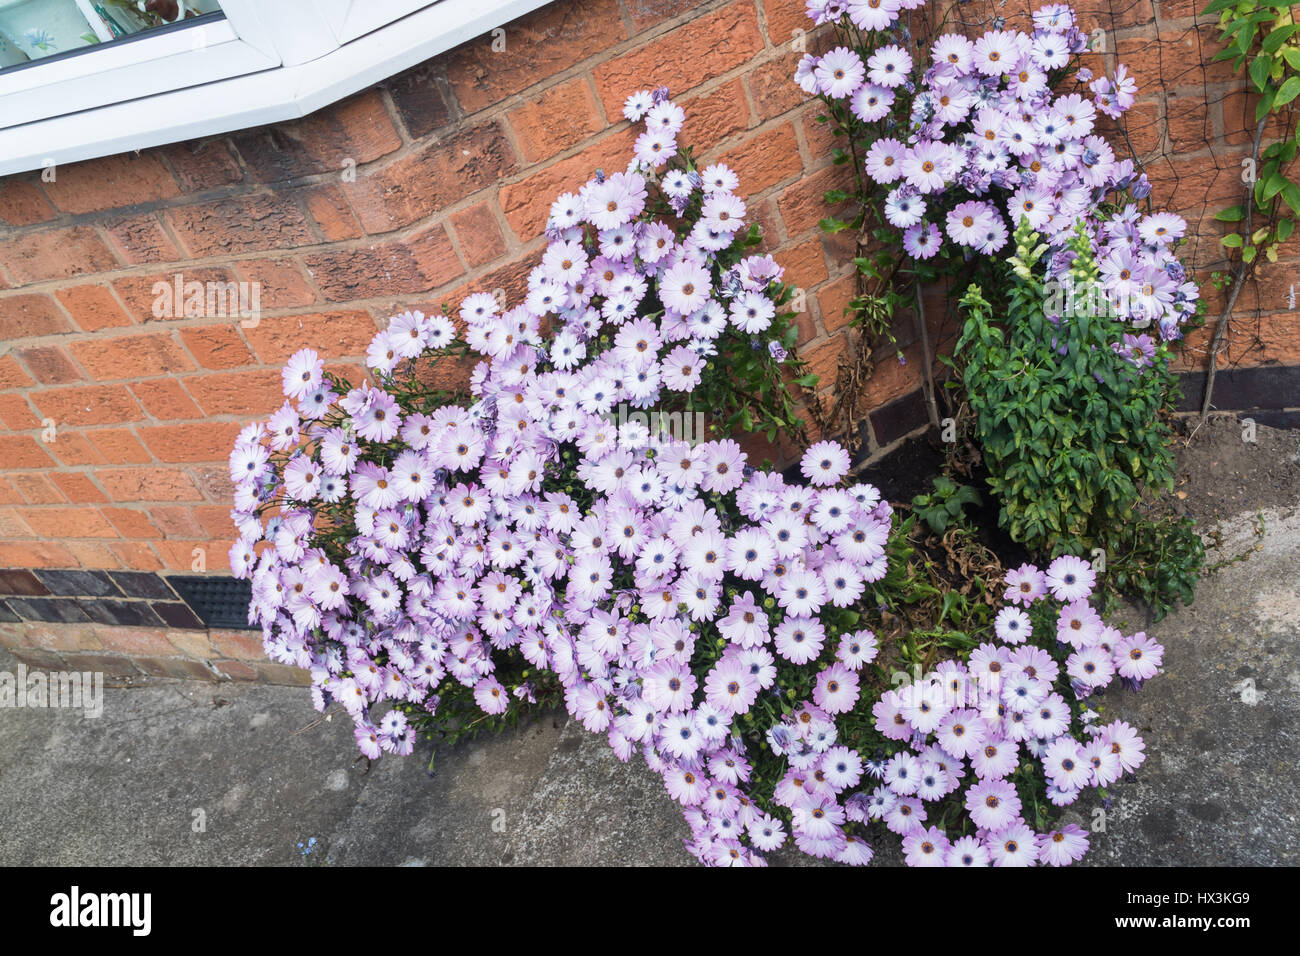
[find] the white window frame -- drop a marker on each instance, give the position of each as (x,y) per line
(266,62)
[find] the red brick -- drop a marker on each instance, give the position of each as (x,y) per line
(56,254)
(135,555)
(478,234)
(9,494)
(1143,125)
(93,307)
(1176,58)
(783,17)
(236,670)
(418,264)
(698,50)
(124,179)
(182,556)
(118,446)
(131,356)
(805,263)
(802,205)
(649,13)
(203,164)
(281,283)
(12,526)
(139,295)
(239,224)
(148,484)
(712,117)
(37,489)
(214,481)
(209,441)
(58,523)
(39,554)
(238,645)
(833,298)
(12,374)
(555,120)
(772,88)
(527,203)
(23,204)
(87,405)
(341,136)
(136,640)
(23,451)
(330,211)
(51,365)
(77,487)
(165,400)
(141,239)
(1239,119)
(249,394)
(765,159)
(64,637)
(17,414)
(94,554)
(430,178)
(1107,14)
(131,523)
(541,44)
(215,519)
(74,449)
(331,334)
(24,316)
(217,346)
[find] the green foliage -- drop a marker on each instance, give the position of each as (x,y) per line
(943,506)
(1071,428)
(1264,34)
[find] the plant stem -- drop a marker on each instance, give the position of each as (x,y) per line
(1242,271)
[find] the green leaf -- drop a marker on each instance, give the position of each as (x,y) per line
(833,225)
(1289,91)
(1259,70)
(1273,42)
(1291,195)
(1273,185)
(1284,229)
(1232,214)
(1232,240)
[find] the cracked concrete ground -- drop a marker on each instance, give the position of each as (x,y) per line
(264,776)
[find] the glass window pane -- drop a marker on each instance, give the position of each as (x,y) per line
(36,29)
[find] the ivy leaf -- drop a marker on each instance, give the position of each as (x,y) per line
(1232,214)
(1232,240)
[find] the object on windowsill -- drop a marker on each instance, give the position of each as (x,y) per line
(41,28)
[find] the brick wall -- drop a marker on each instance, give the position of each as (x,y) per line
(433,184)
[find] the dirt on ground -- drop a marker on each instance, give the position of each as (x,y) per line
(1221,472)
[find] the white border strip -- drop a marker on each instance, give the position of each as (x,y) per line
(269,96)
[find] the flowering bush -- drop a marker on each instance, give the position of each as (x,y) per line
(440,564)
(999,135)
(965,147)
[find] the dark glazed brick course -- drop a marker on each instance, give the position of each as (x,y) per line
(52,610)
(79,583)
(16,581)
(901,416)
(143,584)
